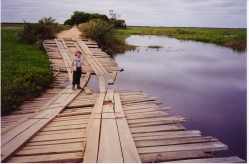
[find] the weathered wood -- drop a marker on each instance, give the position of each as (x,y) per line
(174,155)
(175,141)
(102,84)
(155,114)
(87,91)
(59,148)
(50,158)
(92,132)
(130,153)
(206,147)
(109,146)
(64,127)
(61,131)
(112,78)
(233,159)
(85,80)
(58,137)
(172,134)
(63,141)
(157,128)
(169,119)
(74,114)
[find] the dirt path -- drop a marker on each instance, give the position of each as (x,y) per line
(72,33)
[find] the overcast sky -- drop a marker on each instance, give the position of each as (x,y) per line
(169,13)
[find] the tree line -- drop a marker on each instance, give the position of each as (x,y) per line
(80,17)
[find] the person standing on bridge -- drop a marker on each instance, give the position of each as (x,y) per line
(76,69)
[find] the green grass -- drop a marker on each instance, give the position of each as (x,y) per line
(233,38)
(25,71)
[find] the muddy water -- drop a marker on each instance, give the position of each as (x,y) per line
(204,83)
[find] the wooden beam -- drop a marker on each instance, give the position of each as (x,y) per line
(109,146)
(113,77)
(93,132)
(129,149)
(232,159)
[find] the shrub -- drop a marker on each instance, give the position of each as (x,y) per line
(35,33)
(105,35)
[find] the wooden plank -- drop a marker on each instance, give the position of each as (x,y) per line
(154,114)
(79,126)
(157,128)
(61,145)
(50,158)
(85,80)
(232,159)
(55,149)
(16,143)
(31,115)
(61,131)
(58,137)
(97,64)
(168,134)
(109,146)
(93,131)
(68,122)
(102,84)
(174,155)
(22,138)
(74,113)
(154,123)
(112,78)
(8,136)
(206,147)
(87,91)
(88,59)
(168,118)
(130,153)
(175,141)
(72,140)
(109,96)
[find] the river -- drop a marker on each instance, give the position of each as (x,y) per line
(204,83)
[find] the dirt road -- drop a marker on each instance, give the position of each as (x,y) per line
(72,33)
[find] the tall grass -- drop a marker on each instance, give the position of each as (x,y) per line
(233,38)
(25,71)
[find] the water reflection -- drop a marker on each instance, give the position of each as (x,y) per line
(204,83)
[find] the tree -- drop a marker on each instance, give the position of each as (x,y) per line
(114,16)
(79,17)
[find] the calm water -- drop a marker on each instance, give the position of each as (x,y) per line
(204,83)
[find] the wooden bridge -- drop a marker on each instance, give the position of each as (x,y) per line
(104,125)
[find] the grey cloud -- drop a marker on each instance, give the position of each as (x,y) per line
(194,13)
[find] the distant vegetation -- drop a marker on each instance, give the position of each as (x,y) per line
(80,17)
(233,38)
(25,71)
(154,46)
(35,33)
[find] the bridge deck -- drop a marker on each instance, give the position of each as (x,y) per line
(66,125)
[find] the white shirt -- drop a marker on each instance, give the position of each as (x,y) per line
(78,61)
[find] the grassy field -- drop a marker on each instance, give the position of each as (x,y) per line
(233,38)
(25,71)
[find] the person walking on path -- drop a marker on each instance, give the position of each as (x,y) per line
(76,69)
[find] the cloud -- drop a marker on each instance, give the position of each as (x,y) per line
(191,13)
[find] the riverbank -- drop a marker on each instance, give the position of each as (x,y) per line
(232,38)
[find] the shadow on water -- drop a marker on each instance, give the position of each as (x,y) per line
(204,83)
